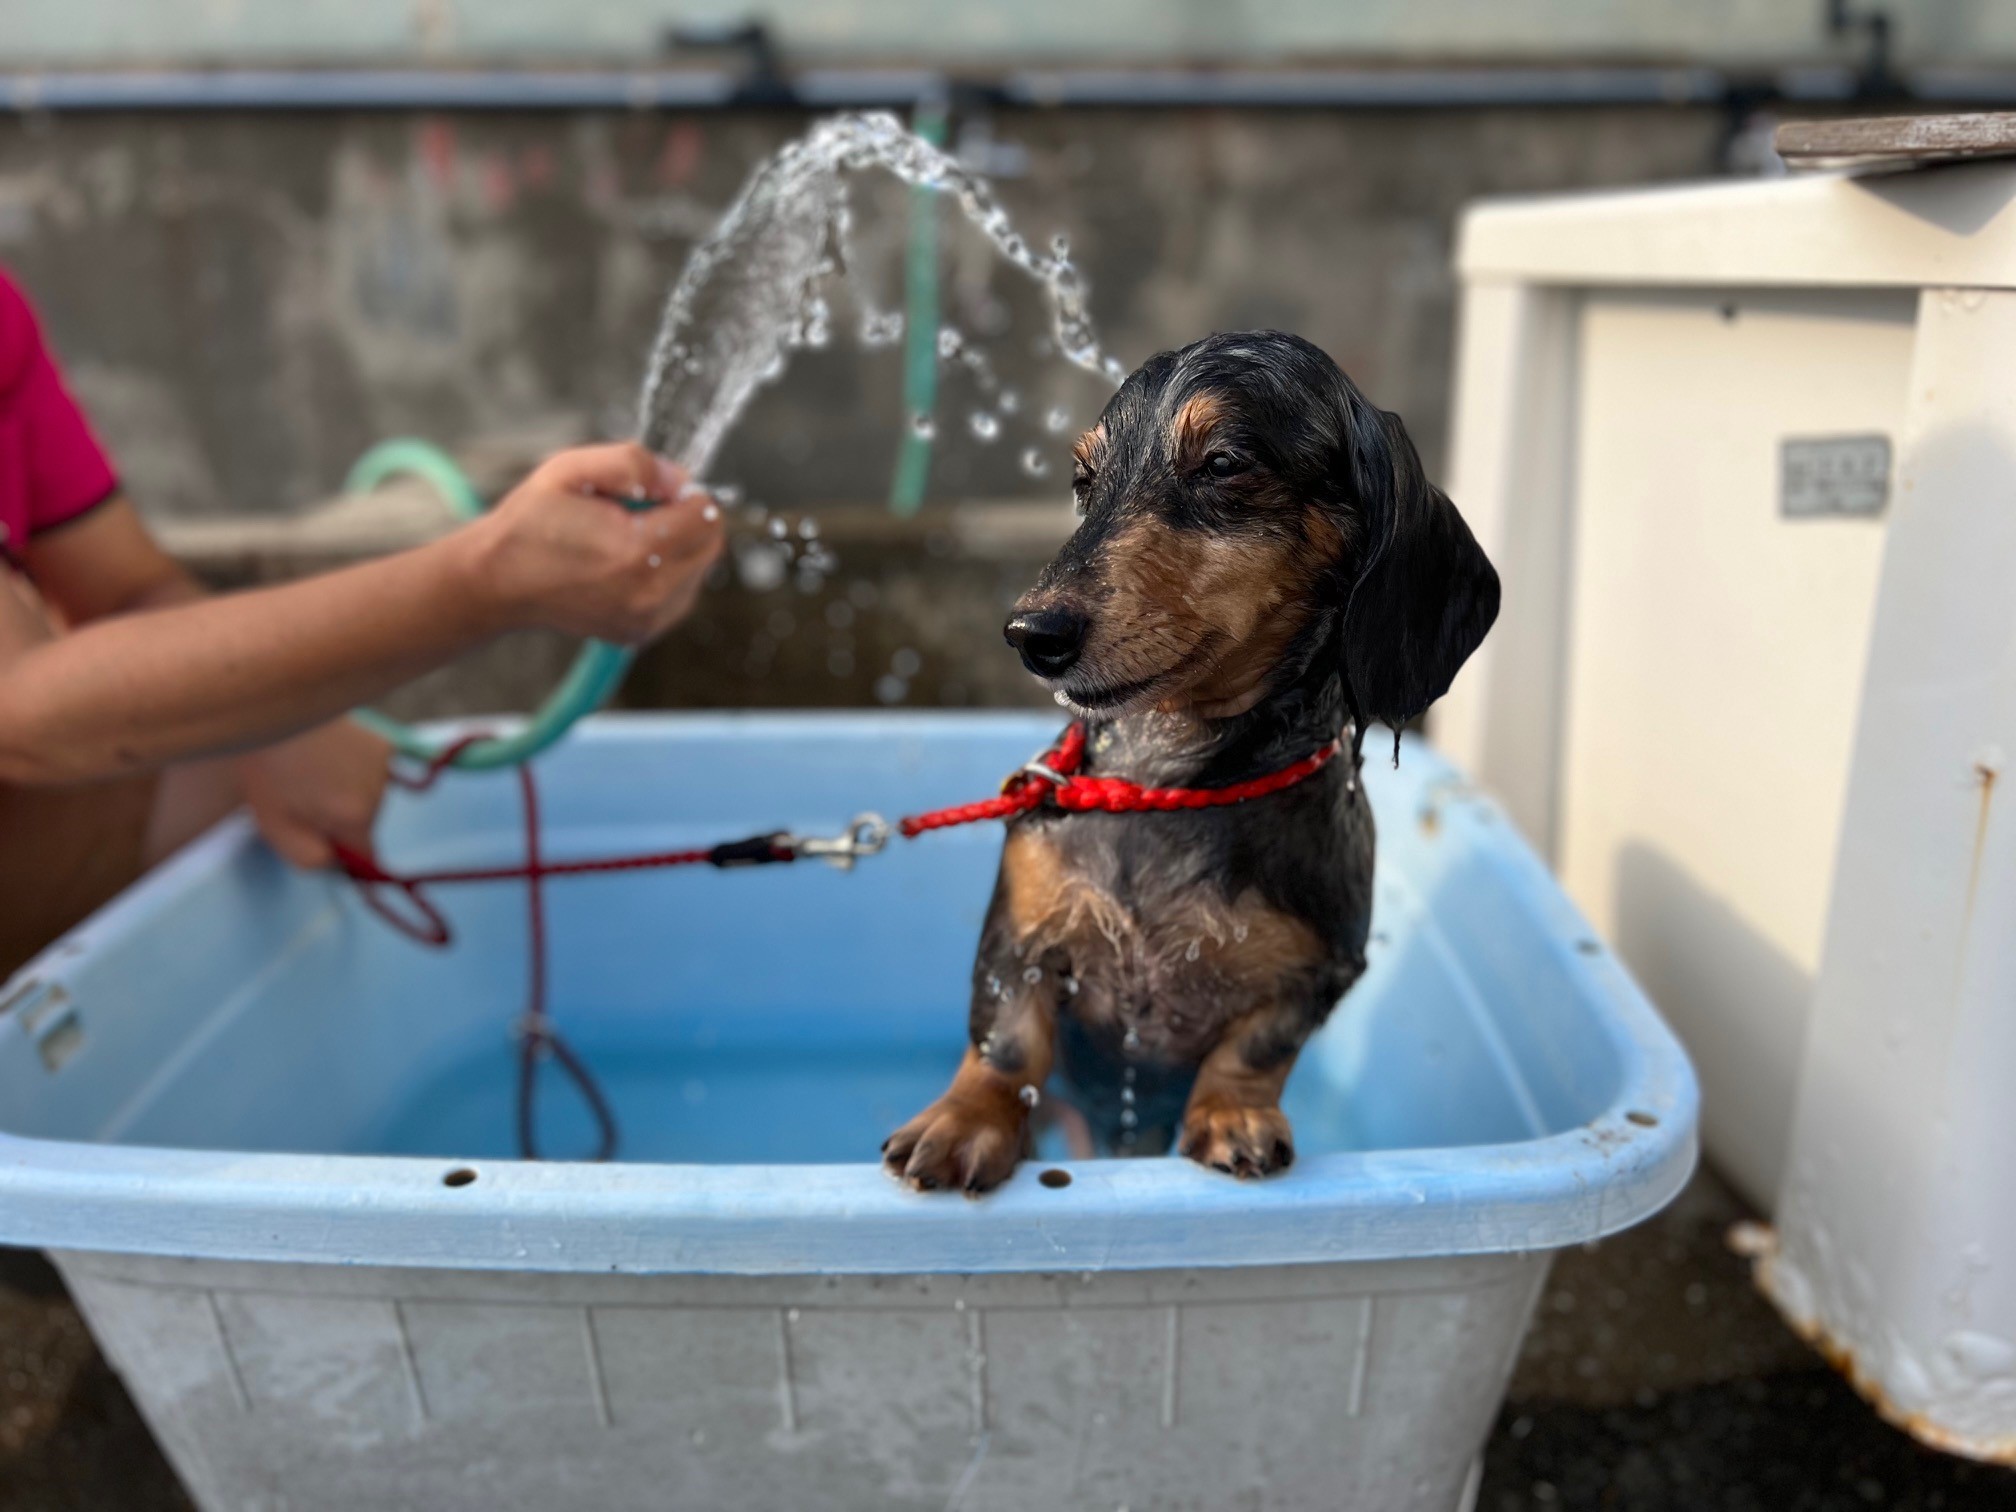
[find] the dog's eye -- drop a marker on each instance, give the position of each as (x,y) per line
(1224,464)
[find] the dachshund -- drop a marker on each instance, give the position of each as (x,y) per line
(1261,568)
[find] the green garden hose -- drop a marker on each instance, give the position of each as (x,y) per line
(589,683)
(920,331)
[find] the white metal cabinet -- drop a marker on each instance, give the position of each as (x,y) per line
(1763,750)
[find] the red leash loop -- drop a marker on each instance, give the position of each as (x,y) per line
(1054,778)
(425,923)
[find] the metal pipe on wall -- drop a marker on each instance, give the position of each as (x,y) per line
(63,91)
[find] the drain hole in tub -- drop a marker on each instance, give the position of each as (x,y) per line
(460,1176)
(1643,1119)
(1589,947)
(1055,1178)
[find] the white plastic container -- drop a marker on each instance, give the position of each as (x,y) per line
(1745,455)
(269,1143)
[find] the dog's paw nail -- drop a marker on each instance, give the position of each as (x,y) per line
(1284,1154)
(927,1183)
(1222,1165)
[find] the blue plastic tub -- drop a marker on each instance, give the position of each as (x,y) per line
(232,1103)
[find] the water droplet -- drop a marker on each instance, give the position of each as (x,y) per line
(1033,975)
(1008,401)
(880,330)
(654,561)
(1030,1097)
(1196,947)
(993,986)
(923,426)
(1126,1094)
(1114,369)
(1033,463)
(1071,986)
(728,495)
(1132,1039)
(891,689)
(760,567)
(1060,246)
(778,530)
(1057,419)
(906,662)
(949,342)
(984,426)
(1241,929)
(1129,1118)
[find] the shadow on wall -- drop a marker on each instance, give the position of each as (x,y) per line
(1736,1001)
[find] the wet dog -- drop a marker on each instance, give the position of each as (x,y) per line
(1261,567)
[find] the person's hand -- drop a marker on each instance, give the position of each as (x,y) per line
(321,786)
(561,552)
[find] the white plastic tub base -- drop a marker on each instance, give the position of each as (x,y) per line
(1365,1386)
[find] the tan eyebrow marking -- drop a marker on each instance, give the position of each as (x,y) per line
(1088,448)
(1191,430)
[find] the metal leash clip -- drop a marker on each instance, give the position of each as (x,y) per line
(1041,768)
(866,836)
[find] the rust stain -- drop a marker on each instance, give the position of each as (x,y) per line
(1986,773)
(1759,1243)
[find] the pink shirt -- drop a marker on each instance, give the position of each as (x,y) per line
(52,468)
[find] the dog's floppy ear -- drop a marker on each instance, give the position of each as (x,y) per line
(1425,594)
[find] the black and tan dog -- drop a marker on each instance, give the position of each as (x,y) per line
(1261,566)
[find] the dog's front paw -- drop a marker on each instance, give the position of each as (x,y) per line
(1237,1139)
(959,1143)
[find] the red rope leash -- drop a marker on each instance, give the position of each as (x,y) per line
(1053,780)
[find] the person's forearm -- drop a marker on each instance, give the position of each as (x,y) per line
(214,675)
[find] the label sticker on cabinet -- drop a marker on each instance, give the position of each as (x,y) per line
(1833,475)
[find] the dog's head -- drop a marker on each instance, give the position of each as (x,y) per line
(1246,512)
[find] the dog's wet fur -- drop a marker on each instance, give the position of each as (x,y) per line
(1261,565)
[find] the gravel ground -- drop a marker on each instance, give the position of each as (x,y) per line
(1655,1380)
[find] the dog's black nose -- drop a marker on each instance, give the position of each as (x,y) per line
(1049,640)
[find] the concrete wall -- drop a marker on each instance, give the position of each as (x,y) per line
(246,301)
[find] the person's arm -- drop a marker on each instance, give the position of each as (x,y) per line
(104,563)
(134,690)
